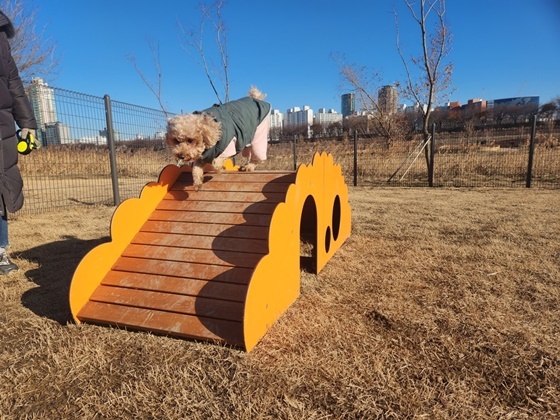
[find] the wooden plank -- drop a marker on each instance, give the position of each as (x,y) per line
(203,217)
(258,176)
(168,302)
(279,187)
(257,246)
(235,176)
(227,196)
(187,270)
(224,231)
(217,206)
(193,287)
(168,323)
(199,256)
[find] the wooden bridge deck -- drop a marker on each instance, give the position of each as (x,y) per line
(187,271)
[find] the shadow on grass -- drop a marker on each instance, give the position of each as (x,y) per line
(57,263)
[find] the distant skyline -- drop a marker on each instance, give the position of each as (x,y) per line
(501,49)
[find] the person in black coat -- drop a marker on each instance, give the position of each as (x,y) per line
(14,108)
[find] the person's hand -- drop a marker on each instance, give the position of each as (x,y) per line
(25,132)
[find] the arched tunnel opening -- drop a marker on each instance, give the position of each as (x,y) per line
(308,236)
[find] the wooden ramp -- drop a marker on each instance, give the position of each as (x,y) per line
(219,264)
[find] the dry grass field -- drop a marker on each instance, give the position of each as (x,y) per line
(444,303)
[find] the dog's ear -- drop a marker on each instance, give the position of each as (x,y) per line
(212,130)
(169,135)
(171,121)
(170,140)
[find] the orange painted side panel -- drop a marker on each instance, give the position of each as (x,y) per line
(129,216)
(275,284)
(334,213)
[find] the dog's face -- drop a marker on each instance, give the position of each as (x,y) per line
(190,135)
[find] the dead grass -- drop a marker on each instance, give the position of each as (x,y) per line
(443,303)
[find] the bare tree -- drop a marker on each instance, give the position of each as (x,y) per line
(433,81)
(317,130)
(33,52)
(195,48)
(364,82)
(154,88)
(334,129)
(550,110)
(547,113)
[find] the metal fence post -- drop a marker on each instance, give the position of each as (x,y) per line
(432,153)
(355,158)
(295,153)
(111,145)
(531,153)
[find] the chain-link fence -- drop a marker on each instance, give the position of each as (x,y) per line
(77,163)
(74,163)
(513,157)
(485,158)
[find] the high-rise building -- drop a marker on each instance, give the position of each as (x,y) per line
(56,134)
(296,117)
(475,105)
(348,104)
(388,99)
(116,135)
(276,124)
(276,119)
(42,100)
(327,118)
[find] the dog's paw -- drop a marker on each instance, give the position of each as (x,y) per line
(249,167)
(218,164)
(197,187)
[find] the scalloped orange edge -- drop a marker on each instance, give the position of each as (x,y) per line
(275,284)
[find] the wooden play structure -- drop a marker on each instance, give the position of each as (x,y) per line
(219,264)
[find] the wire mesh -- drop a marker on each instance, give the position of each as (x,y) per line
(73,166)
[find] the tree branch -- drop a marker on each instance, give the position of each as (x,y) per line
(33,52)
(213,15)
(154,48)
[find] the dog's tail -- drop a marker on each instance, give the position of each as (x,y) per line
(254,92)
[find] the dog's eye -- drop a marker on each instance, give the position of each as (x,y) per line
(189,140)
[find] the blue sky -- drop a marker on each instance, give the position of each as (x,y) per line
(501,48)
